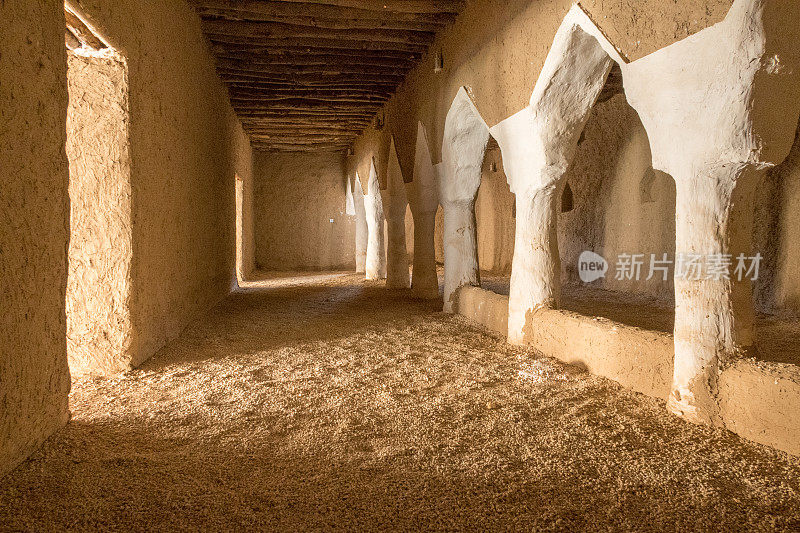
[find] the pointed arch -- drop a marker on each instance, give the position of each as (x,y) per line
(373,206)
(465,138)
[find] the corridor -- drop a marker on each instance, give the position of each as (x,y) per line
(326,401)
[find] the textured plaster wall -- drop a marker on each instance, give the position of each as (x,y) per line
(186,146)
(777,237)
(296,198)
(99,329)
(620,204)
(497,49)
(494,212)
(34,226)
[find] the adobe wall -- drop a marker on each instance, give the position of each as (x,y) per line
(99,329)
(300,213)
(494,215)
(497,50)
(186,146)
(34,226)
(620,204)
(777,238)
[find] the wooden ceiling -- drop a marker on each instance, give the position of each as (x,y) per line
(308,75)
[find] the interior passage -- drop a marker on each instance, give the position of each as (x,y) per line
(324,401)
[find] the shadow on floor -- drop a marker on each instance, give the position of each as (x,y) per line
(345,406)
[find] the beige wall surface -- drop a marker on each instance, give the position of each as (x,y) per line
(621,206)
(296,198)
(494,216)
(99,281)
(777,237)
(34,226)
(497,49)
(186,147)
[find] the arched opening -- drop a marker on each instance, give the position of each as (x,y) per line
(622,210)
(567,200)
(776,289)
(494,214)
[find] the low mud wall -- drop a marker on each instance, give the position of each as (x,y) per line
(758,400)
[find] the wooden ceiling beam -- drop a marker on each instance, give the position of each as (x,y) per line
(396,6)
(307,60)
(312,61)
(81,32)
(243,67)
(286,52)
(337,23)
(266,9)
(310,43)
(310,75)
(274,30)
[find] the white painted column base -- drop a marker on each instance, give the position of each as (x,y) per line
(536,267)
(397,275)
(713,314)
(460,250)
(425,281)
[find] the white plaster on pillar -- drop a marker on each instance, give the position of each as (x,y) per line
(537,145)
(373,205)
(465,138)
(719,107)
(362,231)
(395,202)
(423,197)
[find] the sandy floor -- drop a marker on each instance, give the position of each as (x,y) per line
(343,405)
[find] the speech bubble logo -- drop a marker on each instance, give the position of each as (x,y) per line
(591,266)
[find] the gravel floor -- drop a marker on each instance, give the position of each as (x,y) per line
(341,405)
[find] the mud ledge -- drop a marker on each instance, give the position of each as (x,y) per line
(758,399)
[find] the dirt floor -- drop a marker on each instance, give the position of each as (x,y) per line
(340,405)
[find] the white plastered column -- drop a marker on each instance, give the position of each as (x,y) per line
(395,203)
(373,205)
(719,108)
(464,145)
(355,208)
(537,145)
(423,197)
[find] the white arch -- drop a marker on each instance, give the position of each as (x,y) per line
(373,205)
(423,197)
(355,207)
(465,138)
(719,108)
(397,275)
(537,145)
(708,104)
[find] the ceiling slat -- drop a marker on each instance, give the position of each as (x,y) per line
(310,75)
